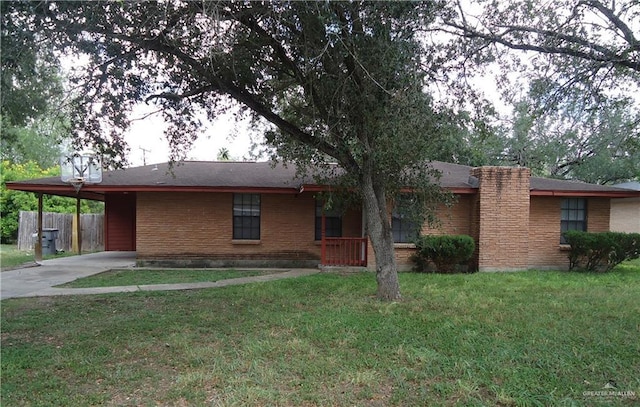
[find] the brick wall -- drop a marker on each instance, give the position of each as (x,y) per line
(544,234)
(545,251)
(454,220)
(512,230)
(598,214)
(503,220)
(200,226)
(352,223)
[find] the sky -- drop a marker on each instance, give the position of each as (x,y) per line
(148,144)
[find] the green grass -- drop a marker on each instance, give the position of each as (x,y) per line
(509,339)
(10,256)
(123,277)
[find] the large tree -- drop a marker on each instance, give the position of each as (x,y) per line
(586,41)
(572,71)
(568,142)
(593,145)
(32,122)
(338,82)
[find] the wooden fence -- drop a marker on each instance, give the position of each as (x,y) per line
(92,230)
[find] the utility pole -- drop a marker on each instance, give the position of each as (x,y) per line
(144,155)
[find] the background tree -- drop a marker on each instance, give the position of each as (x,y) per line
(33,124)
(223,154)
(569,141)
(584,42)
(31,96)
(579,64)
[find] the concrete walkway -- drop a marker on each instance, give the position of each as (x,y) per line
(26,282)
(39,281)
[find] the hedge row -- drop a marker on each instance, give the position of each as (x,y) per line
(601,251)
(447,252)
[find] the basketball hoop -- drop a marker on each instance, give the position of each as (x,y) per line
(76,183)
(78,169)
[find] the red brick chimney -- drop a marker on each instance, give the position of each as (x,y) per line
(502,218)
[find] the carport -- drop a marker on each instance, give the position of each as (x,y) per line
(120,209)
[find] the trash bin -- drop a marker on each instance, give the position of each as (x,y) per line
(49,237)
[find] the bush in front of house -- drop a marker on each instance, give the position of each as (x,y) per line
(446,252)
(601,251)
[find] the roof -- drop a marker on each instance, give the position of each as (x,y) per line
(540,186)
(266,177)
(634,185)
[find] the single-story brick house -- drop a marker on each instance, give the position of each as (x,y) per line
(246,213)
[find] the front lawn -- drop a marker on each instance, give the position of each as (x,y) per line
(11,257)
(124,277)
(529,338)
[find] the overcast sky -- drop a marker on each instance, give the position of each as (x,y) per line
(148,134)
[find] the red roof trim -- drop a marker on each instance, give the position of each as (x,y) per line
(455,190)
(463,191)
(102,189)
(97,191)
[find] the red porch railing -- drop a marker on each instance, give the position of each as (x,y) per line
(344,251)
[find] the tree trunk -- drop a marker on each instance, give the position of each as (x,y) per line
(379,231)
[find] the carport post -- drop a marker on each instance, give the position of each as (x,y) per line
(77,230)
(38,247)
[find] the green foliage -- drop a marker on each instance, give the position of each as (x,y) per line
(566,140)
(573,92)
(12,202)
(10,256)
(446,252)
(38,141)
(31,94)
(601,251)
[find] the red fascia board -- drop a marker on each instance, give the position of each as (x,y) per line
(454,190)
(160,188)
(595,194)
(38,187)
(463,191)
(59,190)
(315,188)
(105,189)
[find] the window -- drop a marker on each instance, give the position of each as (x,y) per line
(573,215)
(403,228)
(332,222)
(246,216)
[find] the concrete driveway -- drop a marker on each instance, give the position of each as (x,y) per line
(39,281)
(28,282)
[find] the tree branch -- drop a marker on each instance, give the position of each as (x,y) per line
(175,97)
(601,54)
(619,24)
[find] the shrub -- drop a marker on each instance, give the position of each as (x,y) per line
(446,252)
(601,251)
